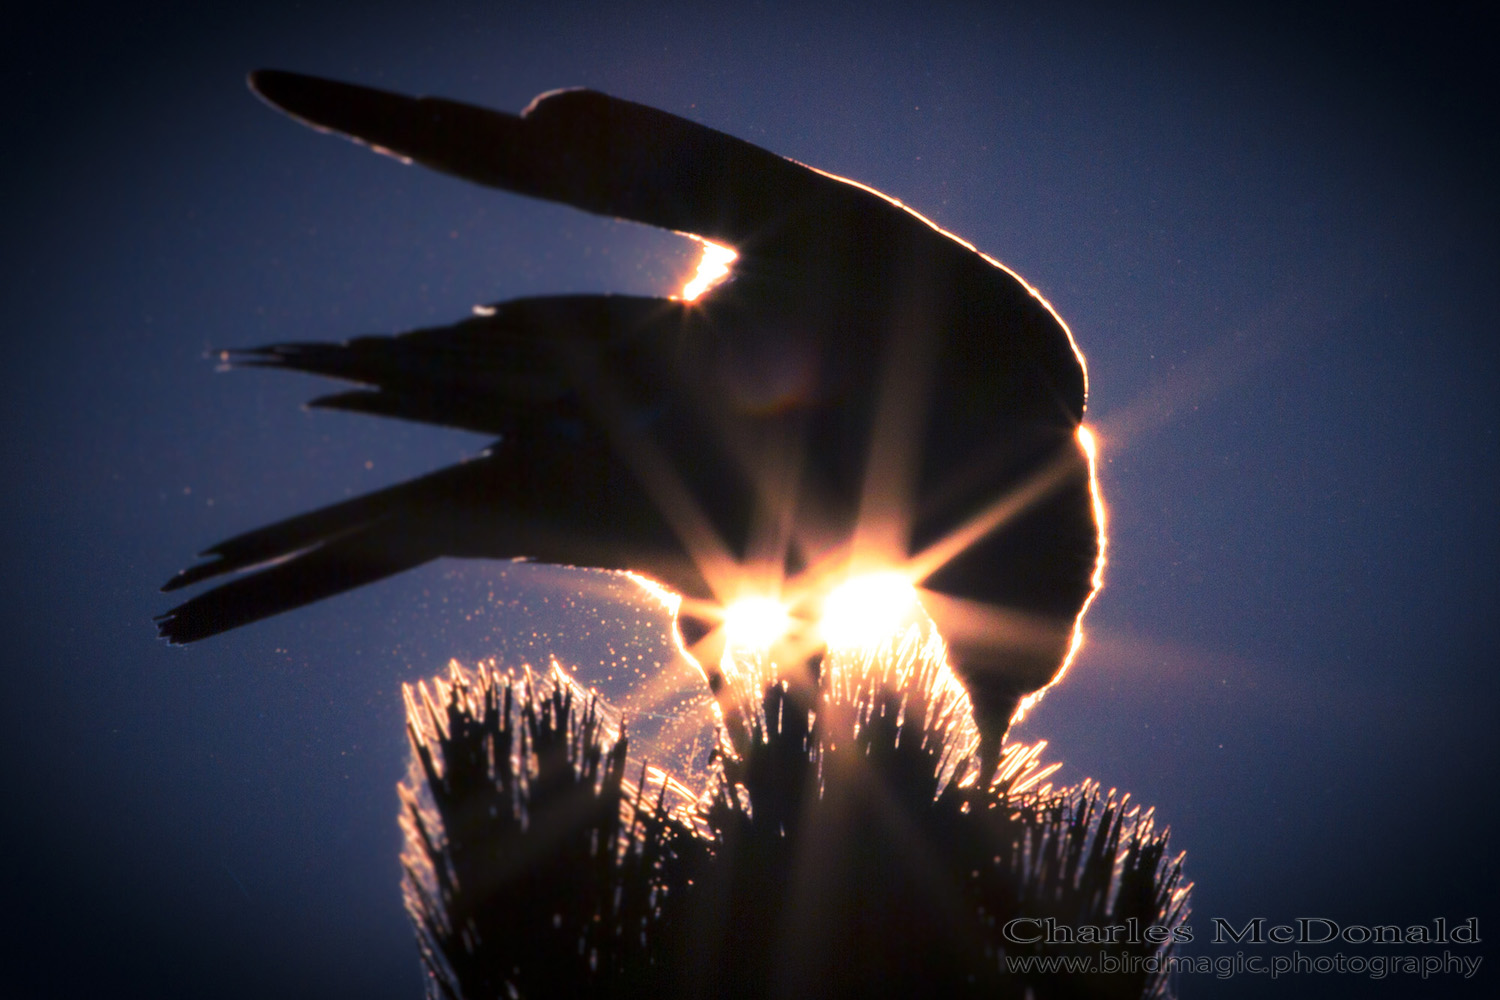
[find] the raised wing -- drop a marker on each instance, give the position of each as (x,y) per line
(578,147)
(861,368)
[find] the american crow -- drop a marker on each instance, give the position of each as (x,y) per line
(864,390)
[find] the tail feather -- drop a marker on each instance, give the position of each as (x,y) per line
(317,529)
(365,555)
(523,501)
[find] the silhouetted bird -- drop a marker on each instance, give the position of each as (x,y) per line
(863,383)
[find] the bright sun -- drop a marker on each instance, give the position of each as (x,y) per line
(862,611)
(867,609)
(755,622)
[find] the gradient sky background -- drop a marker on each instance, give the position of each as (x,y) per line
(1274,235)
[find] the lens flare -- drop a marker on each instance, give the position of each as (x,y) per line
(867,609)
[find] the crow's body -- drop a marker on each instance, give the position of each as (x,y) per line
(860,369)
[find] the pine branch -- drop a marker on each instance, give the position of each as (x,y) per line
(847,845)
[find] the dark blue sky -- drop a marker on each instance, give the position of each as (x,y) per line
(1273,235)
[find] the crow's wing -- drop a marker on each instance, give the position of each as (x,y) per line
(579,147)
(494,506)
(513,365)
(316,555)
(572,386)
(502,505)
